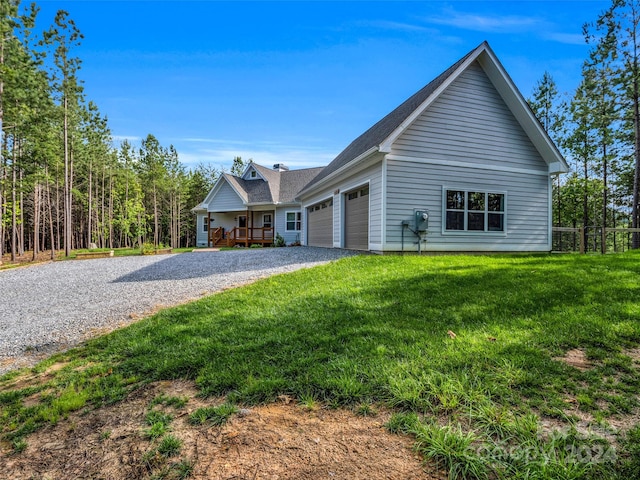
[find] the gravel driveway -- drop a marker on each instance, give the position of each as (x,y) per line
(49,307)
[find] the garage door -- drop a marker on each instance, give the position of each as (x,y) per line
(356,219)
(320,224)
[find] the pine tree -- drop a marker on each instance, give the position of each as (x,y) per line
(64,36)
(551,112)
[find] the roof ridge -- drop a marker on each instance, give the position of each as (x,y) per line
(380,131)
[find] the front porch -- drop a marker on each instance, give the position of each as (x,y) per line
(219,237)
(247,230)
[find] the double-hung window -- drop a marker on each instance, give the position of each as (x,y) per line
(474,210)
(294,221)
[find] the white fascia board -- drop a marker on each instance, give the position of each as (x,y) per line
(215,189)
(329,178)
(385,146)
(246,169)
(200,208)
(211,193)
(557,168)
(521,111)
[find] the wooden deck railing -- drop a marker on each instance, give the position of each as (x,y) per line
(249,235)
(215,236)
(241,235)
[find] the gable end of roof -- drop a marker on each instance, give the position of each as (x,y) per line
(381,136)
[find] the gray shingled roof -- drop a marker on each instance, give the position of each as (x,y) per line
(385,127)
(251,191)
(279,187)
(291,182)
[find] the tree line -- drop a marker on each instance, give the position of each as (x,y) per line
(597,128)
(63,183)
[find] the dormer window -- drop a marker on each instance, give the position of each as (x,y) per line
(253,174)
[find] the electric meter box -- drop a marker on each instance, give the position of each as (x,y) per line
(421,220)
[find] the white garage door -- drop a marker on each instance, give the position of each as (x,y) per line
(356,219)
(320,224)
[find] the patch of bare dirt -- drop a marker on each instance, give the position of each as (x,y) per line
(577,359)
(27,258)
(634,353)
(277,441)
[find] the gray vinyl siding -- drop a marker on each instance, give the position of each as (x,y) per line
(469,122)
(201,235)
(372,176)
(417,185)
(226,199)
(281,224)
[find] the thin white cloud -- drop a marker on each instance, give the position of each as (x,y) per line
(566,38)
(487,23)
(544,28)
(217,141)
(306,153)
(397,26)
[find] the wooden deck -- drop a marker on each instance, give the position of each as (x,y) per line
(246,236)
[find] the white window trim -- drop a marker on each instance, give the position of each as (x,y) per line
(205,227)
(466,232)
(298,220)
(271,221)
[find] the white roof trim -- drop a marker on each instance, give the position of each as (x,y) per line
(512,98)
(385,146)
(340,171)
(246,170)
(521,110)
(216,187)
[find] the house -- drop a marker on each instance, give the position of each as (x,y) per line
(253,207)
(462,165)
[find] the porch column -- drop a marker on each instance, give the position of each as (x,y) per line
(246,243)
(209,233)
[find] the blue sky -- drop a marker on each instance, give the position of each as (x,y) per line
(295,82)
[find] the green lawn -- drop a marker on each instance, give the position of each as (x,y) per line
(369,329)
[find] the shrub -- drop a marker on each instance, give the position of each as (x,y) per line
(279,241)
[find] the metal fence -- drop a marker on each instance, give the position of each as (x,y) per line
(593,239)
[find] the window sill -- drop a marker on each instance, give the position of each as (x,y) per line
(472,233)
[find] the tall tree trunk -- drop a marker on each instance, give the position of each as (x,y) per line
(89,208)
(67,181)
(21,223)
(156,234)
(57,246)
(585,202)
(51,231)
(126,203)
(110,216)
(2,164)
(36,219)
(103,242)
(635,209)
(604,197)
(14,217)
